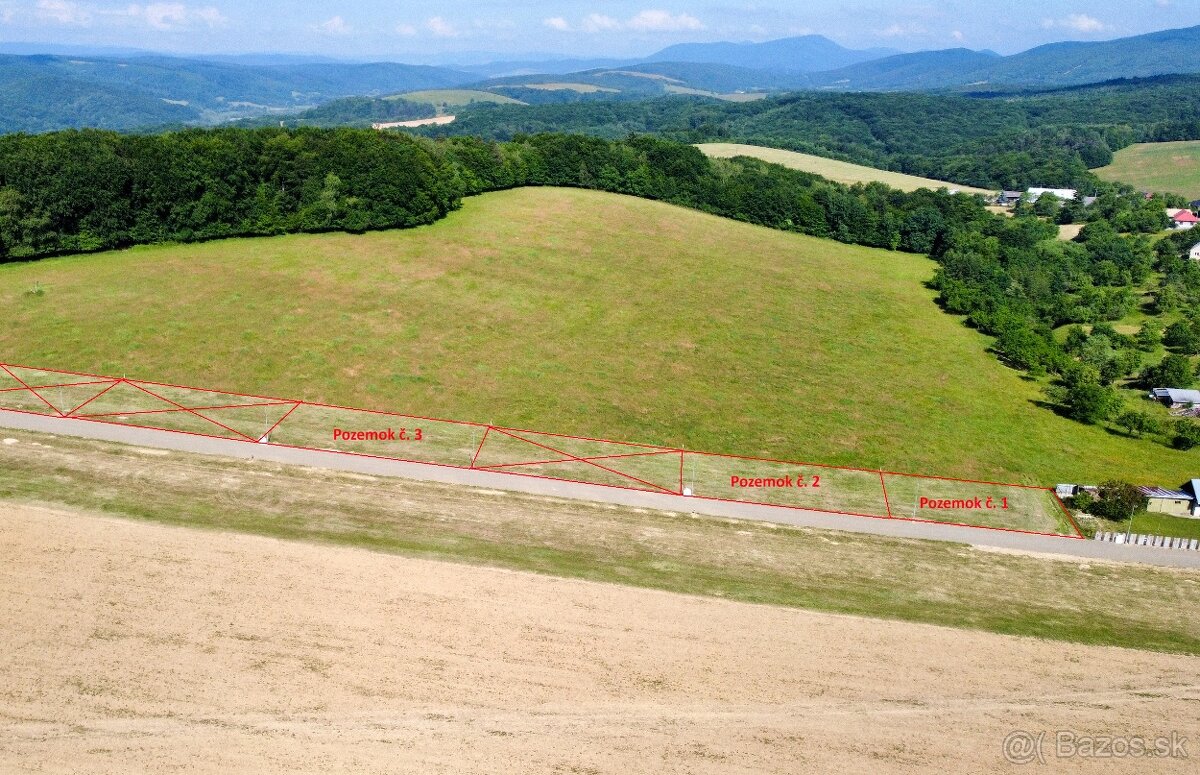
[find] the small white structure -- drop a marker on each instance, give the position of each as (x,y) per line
(1175,398)
(1194,254)
(1065,194)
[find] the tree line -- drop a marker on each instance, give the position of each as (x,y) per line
(1011,277)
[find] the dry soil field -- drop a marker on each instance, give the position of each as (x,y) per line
(135,647)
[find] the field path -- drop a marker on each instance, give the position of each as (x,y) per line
(147,437)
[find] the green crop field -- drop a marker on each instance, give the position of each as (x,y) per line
(456,98)
(1169,167)
(841,171)
(585,313)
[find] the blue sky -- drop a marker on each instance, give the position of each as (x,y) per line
(420,31)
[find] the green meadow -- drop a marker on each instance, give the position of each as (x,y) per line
(582,313)
(1173,167)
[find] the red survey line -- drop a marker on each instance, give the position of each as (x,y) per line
(1065,511)
(658,447)
(886,503)
(581,460)
(572,460)
(286,415)
(93,398)
(480,447)
(65,384)
(202,417)
(574,481)
(184,409)
(31,390)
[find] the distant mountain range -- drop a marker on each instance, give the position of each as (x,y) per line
(42,93)
(137,90)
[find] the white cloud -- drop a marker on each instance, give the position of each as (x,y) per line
(598,22)
(901,31)
(661,21)
(62,12)
(644,21)
(171,16)
(441,28)
(333,26)
(6,15)
(407,30)
(957,35)
(1078,22)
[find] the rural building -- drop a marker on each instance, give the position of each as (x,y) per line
(1174,398)
(1088,201)
(1163,501)
(1194,254)
(1009,198)
(1065,194)
(1183,219)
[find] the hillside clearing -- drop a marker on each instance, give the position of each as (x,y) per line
(457,97)
(585,313)
(582,88)
(1167,167)
(840,171)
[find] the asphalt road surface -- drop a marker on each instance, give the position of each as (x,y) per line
(146,437)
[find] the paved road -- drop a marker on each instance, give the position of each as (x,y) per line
(146,437)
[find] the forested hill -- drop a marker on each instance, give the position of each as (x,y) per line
(45,93)
(991,140)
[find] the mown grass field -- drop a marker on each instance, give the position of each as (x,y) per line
(585,313)
(840,171)
(1168,167)
(921,581)
(458,97)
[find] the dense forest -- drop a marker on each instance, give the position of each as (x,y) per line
(1010,276)
(1009,140)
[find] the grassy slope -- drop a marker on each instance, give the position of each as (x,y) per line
(579,312)
(842,172)
(1173,167)
(458,97)
(922,581)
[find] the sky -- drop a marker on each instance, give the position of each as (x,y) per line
(403,30)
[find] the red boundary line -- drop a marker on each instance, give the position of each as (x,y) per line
(286,415)
(480,447)
(573,481)
(581,460)
(572,460)
(93,398)
(197,414)
(31,390)
(65,384)
(184,409)
(1066,512)
(886,502)
(512,432)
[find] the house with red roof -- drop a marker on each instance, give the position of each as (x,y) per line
(1182,219)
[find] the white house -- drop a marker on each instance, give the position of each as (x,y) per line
(1195,252)
(1182,219)
(1065,194)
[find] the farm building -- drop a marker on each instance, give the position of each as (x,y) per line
(1009,198)
(1163,501)
(1194,253)
(1183,219)
(1065,194)
(1173,397)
